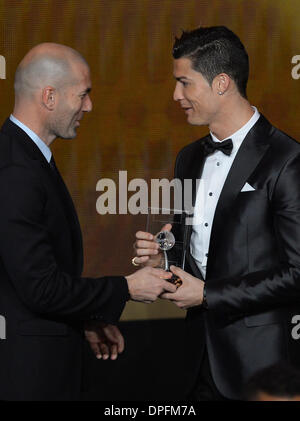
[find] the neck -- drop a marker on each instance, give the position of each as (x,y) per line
(32,120)
(232,116)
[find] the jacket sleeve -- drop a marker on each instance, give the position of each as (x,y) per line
(277,286)
(29,261)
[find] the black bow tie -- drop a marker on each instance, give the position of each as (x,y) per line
(210,146)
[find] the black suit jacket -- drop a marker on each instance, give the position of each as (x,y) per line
(43,297)
(253,267)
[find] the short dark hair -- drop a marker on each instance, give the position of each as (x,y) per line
(214,50)
(278,380)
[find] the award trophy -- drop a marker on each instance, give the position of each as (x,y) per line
(172,243)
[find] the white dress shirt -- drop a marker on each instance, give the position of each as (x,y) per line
(215,171)
(46,151)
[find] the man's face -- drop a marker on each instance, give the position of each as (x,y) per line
(194,93)
(73,102)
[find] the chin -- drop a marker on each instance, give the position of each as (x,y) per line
(195,122)
(68,136)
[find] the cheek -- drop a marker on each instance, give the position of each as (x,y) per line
(197,102)
(195,96)
(80,105)
(203,101)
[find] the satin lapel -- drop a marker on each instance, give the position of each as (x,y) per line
(197,168)
(249,155)
(192,170)
(191,166)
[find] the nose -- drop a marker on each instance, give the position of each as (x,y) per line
(88,105)
(177,95)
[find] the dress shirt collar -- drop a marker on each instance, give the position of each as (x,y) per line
(46,151)
(239,135)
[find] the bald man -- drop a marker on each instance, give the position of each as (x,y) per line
(43,298)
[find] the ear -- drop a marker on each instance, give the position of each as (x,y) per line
(49,97)
(221,83)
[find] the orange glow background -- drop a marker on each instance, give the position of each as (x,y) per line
(135,125)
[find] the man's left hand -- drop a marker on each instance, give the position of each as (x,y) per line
(189,294)
(105,340)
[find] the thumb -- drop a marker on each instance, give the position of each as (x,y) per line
(177,271)
(166,227)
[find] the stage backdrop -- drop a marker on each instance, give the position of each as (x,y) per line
(135,125)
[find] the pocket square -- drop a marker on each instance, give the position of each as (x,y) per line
(247,187)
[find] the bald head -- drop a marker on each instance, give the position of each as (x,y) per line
(47,64)
(52,86)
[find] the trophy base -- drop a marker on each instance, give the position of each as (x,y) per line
(175,280)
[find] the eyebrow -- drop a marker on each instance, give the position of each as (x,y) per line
(86,91)
(179,78)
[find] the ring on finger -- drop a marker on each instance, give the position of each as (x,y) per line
(134,262)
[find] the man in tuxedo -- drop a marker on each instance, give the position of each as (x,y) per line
(43,299)
(241,281)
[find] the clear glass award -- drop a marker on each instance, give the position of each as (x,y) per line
(171,243)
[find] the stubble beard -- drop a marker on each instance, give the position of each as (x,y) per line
(58,129)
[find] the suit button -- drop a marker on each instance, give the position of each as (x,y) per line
(206,224)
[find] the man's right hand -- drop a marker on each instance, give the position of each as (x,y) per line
(146,284)
(147,249)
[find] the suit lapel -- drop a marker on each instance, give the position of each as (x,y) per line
(72,217)
(252,150)
(195,169)
(30,149)
(192,165)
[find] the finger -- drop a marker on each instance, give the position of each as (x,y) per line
(160,273)
(147,252)
(95,348)
(178,271)
(114,335)
(166,227)
(142,259)
(141,235)
(104,351)
(121,342)
(167,296)
(168,286)
(91,335)
(147,244)
(161,282)
(113,352)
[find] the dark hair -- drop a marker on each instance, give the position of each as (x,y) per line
(214,50)
(278,380)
